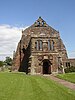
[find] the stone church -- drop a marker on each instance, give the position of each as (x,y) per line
(40,50)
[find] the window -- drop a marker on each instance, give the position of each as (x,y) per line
(52,45)
(49,45)
(42,23)
(38,45)
(35,45)
(38,23)
(67,64)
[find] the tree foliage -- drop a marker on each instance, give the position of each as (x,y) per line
(1,63)
(8,61)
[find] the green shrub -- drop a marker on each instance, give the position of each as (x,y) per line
(1,63)
(70,69)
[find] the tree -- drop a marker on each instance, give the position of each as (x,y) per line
(1,63)
(8,61)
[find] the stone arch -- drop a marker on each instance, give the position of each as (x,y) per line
(46,67)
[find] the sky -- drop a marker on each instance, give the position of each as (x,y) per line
(16,15)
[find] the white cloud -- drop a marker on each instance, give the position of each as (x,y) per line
(9,38)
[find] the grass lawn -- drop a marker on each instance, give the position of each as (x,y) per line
(67,76)
(17,86)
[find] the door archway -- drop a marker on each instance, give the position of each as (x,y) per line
(46,66)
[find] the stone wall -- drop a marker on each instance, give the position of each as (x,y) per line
(69,62)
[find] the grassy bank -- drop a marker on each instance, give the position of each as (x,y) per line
(67,76)
(18,86)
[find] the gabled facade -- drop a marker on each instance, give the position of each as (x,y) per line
(40,50)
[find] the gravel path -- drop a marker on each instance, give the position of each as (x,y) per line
(63,82)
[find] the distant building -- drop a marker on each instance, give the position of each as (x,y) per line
(41,50)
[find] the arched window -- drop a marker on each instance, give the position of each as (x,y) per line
(38,45)
(49,45)
(42,23)
(35,45)
(52,45)
(38,23)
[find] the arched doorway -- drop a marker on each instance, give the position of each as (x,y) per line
(46,66)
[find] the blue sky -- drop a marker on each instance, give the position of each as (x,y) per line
(17,14)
